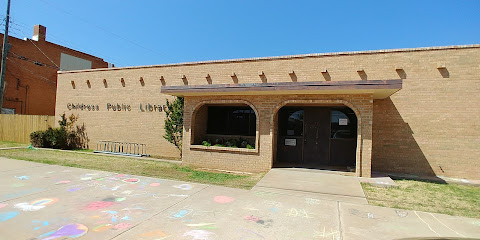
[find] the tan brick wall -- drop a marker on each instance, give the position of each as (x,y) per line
(266,108)
(132,126)
(428,127)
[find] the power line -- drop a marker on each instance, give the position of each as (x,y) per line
(41,50)
(34,61)
(35,74)
(73,45)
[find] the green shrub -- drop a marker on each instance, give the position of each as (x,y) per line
(233,143)
(206,143)
(36,138)
(67,136)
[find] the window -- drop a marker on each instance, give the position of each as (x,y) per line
(291,121)
(231,120)
(343,123)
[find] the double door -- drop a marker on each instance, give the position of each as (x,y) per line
(304,135)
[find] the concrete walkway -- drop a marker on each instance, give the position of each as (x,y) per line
(40,201)
(312,183)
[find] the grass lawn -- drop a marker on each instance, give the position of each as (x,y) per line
(452,199)
(134,166)
(4,144)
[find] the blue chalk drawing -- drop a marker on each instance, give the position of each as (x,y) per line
(22,177)
(43,223)
(7,215)
(180,214)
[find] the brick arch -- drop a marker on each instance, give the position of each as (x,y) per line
(326,102)
(225,101)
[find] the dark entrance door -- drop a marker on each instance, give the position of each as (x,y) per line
(317,137)
(316,142)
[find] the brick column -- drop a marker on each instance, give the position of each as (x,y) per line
(366,153)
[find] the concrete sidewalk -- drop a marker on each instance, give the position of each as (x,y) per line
(312,183)
(40,201)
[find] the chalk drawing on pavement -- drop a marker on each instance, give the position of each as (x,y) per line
(4,216)
(265,223)
(223,199)
(401,213)
(39,224)
(36,204)
(200,235)
(183,186)
(22,177)
(99,205)
(71,231)
(157,235)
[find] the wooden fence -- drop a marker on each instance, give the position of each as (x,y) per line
(17,128)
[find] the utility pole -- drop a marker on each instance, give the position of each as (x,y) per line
(4,56)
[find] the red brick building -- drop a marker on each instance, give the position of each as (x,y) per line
(31,72)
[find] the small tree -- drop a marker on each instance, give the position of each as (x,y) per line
(174,123)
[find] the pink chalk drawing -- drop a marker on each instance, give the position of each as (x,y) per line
(3,205)
(183,186)
(155,184)
(102,227)
(131,180)
(223,199)
(200,235)
(251,218)
(122,226)
(99,205)
(62,182)
(68,231)
(36,204)
(265,223)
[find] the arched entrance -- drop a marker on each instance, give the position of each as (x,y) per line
(321,137)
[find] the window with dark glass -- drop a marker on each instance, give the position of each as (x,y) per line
(343,123)
(225,120)
(291,121)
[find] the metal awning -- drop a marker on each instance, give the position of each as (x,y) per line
(379,88)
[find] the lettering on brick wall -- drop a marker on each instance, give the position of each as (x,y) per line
(119,107)
(151,108)
(82,107)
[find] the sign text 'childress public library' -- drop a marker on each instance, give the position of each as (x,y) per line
(116,107)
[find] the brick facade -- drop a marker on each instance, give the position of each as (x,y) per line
(429,127)
(31,75)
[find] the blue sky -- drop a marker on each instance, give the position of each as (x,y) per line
(148,32)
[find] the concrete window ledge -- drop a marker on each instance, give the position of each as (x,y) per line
(223,149)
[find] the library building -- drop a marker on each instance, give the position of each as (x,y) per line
(411,111)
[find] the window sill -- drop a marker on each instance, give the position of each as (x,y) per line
(223,149)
